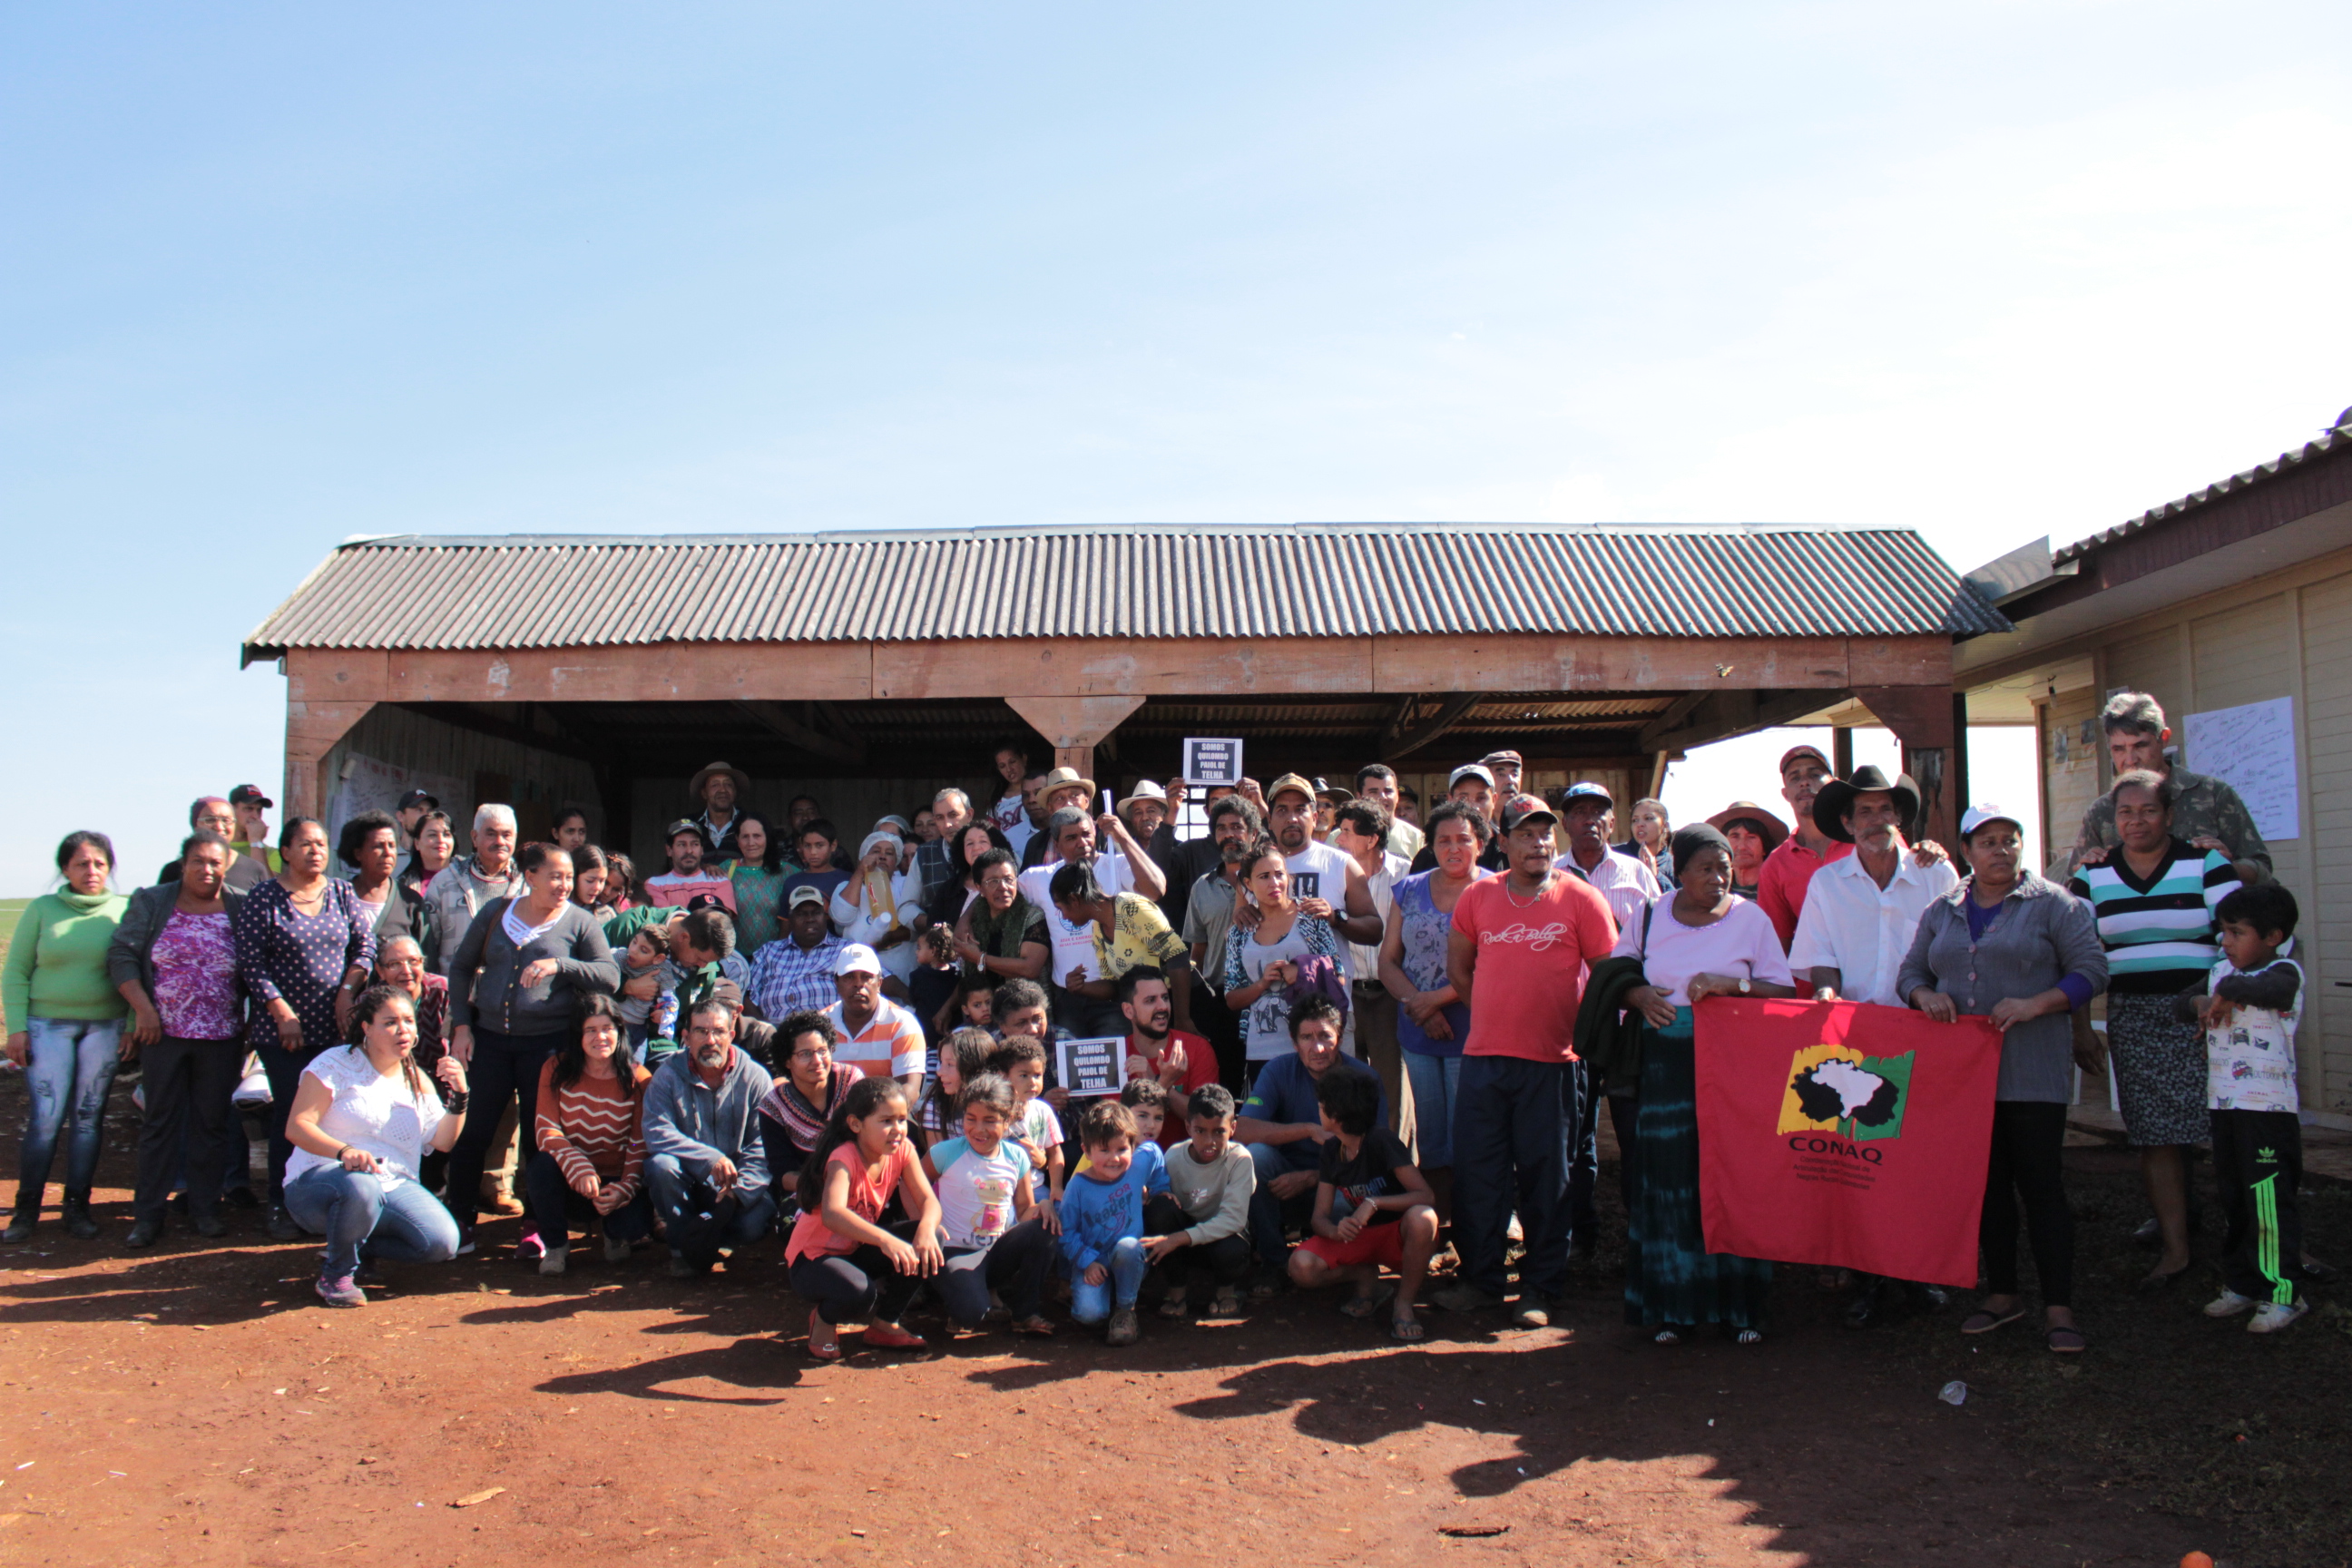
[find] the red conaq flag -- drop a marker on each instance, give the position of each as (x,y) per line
(1844,1134)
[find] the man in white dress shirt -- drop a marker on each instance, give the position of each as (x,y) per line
(1856,926)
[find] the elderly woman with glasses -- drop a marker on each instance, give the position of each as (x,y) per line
(794,1113)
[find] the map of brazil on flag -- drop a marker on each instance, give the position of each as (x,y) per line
(1843,1134)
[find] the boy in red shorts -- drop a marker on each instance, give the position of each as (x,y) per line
(1371,1207)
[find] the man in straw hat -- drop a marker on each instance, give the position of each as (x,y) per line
(721,788)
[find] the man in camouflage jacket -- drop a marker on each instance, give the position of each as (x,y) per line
(2206,812)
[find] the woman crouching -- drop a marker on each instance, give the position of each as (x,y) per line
(363,1118)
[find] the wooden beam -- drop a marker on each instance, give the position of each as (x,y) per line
(772,716)
(1074,725)
(1680,709)
(1225,667)
(1398,742)
(1727,713)
(460,716)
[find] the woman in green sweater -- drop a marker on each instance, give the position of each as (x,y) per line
(65,1024)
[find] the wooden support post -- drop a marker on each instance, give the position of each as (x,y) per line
(1841,750)
(1073,725)
(311,731)
(1921,718)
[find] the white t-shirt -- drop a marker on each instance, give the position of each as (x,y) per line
(976,1191)
(372,1112)
(1074,944)
(1319,871)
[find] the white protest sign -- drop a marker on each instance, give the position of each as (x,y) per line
(1091,1067)
(2252,748)
(1212,763)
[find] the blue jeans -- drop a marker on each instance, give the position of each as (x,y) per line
(1092,1303)
(1511,1132)
(1436,1082)
(70,1069)
(357,1216)
(1266,1211)
(697,1220)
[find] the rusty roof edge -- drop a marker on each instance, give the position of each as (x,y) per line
(2336,439)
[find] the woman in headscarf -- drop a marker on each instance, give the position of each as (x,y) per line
(878,907)
(1702,940)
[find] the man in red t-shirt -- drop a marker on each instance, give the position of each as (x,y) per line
(1182,1062)
(1516,955)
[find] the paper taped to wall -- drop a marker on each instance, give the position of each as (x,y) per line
(2252,748)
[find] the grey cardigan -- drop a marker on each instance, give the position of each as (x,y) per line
(486,972)
(132,955)
(2042,934)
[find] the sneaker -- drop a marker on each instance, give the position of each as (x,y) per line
(1466,1298)
(530,1249)
(1123,1330)
(616,1250)
(679,1268)
(2229,1304)
(341,1293)
(209,1224)
(1534,1310)
(281,1225)
(552,1260)
(465,1242)
(2270,1318)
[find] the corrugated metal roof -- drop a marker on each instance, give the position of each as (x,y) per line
(1158,581)
(2336,440)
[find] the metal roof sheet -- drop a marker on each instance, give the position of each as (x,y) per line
(2335,440)
(1156,580)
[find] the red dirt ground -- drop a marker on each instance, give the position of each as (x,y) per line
(195,1406)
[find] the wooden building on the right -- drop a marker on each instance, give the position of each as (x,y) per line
(2234,608)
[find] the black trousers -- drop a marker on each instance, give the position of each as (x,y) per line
(2029,1141)
(505,1067)
(1224,1261)
(555,1208)
(860,1287)
(1222,1027)
(2257,1166)
(188,1085)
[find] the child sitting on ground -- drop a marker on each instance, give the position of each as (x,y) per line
(1102,1223)
(844,1255)
(1371,1207)
(1210,1179)
(995,1244)
(2250,1013)
(1146,1099)
(1021,1060)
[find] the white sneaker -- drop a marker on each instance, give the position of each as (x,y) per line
(2229,1304)
(553,1261)
(2270,1318)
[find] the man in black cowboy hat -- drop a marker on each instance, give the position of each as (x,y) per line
(1856,924)
(721,788)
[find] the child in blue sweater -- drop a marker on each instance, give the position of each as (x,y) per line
(1102,1223)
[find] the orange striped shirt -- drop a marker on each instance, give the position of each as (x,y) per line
(592,1126)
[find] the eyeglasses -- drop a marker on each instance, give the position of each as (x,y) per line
(817,1055)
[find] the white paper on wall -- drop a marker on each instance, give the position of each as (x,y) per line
(368,785)
(2252,748)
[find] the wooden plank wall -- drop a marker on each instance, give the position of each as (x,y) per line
(538,780)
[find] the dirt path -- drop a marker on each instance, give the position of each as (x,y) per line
(192,1407)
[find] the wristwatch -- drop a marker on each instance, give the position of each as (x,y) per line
(1744,987)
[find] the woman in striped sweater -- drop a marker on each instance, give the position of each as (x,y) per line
(592,1141)
(2156,900)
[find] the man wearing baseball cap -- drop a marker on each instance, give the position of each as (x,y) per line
(686,878)
(878,1036)
(1326,883)
(1629,885)
(252,808)
(793,973)
(1516,954)
(1507,767)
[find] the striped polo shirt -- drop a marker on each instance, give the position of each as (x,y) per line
(891,1044)
(2161,934)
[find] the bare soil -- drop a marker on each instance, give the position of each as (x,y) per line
(193,1405)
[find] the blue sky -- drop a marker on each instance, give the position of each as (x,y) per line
(277,274)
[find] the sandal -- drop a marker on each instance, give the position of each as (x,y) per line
(1984,1323)
(822,1353)
(891,1337)
(1228,1303)
(2062,1347)
(1039,1326)
(1749,1337)
(1407,1330)
(1177,1305)
(1667,1336)
(1365,1305)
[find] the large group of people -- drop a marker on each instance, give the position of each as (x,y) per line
(1357,1043)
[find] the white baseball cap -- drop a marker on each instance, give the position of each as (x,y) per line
(1975,816)
(857,959)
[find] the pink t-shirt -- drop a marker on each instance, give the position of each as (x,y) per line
(812,1237)
(1742,944)
(1529,974)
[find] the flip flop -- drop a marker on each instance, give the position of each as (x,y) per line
(891,1337)
(2050,1338)
(1984,1323)
(1039,1327)
(1407,1330)
(822,1353)
(1364,1306)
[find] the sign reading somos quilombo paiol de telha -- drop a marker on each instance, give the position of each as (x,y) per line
(1844,1134)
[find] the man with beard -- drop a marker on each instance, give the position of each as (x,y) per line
(706,1163)
(1326,883)
(1156,1048)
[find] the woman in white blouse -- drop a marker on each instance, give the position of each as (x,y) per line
(1700,940)
(364,1116)
(879,906)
